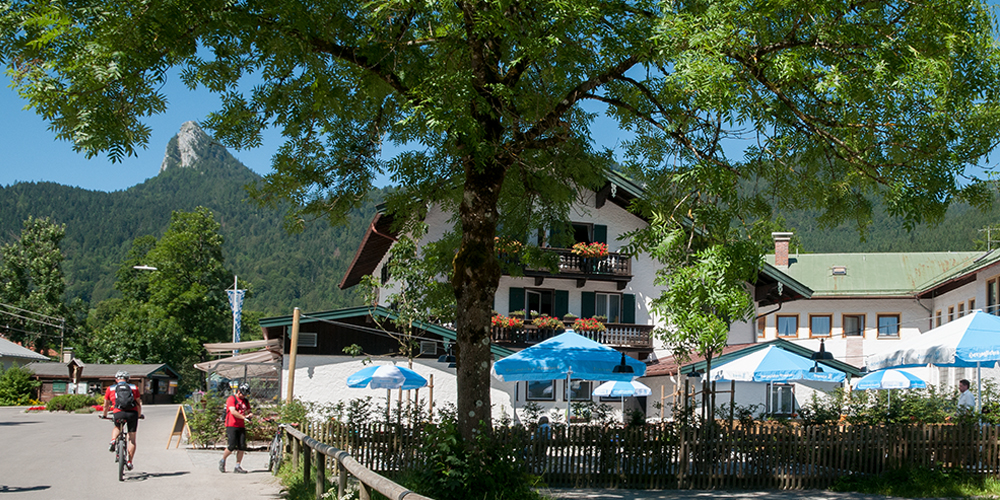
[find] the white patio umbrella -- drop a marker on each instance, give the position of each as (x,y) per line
(622,389)
(972,340)
(888,380)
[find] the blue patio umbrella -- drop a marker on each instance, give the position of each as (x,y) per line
(622,389)
(568,355)
(972,340)
(386,377)
(773,364)
(890,379)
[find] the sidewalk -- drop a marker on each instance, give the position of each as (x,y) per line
(609,494)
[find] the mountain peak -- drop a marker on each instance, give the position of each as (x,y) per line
(190,146)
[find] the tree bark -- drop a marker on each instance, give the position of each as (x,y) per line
(477,273)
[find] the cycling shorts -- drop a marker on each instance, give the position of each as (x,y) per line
(131,418)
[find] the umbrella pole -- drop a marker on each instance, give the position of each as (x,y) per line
(569,397)
(623,409)
(979,388)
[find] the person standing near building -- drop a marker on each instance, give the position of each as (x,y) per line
(237,413)
(966,400)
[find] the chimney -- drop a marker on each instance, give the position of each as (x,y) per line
(67,354)
(781,241)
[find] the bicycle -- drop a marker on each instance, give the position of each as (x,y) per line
(121,444)
(276,451)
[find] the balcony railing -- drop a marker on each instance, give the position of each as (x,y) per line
(616,335)
(611,267)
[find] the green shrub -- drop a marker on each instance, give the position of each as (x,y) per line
(70,402)
(207,422)
(16,386)
(494,470)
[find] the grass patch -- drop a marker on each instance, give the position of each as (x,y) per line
(918,482)
(294,488)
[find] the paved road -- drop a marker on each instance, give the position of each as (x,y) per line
(55,456)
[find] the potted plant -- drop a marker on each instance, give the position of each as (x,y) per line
(517,314)
(507,322)
(591,250)
(588,325)
(548,323)
(569,317)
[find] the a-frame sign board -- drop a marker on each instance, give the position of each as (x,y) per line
(180,425)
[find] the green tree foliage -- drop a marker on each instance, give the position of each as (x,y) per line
(16,386)
(166,315)
(31,280)
(416,293)
(835,100)
(282,270)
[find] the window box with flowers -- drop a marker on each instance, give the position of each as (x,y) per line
(548,323)
(508,322)
(591,250)
(588,325)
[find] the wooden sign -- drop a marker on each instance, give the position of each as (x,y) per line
(180,425)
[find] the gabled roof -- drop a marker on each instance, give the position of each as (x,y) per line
(93,370)
(9,349)
(377,240)
(381,312)
(875,274)
(669,366)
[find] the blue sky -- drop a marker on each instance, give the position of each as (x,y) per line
(29,152)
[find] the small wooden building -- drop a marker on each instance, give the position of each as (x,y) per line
(156,382)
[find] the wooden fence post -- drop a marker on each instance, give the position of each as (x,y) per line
(306,463)
(320,474)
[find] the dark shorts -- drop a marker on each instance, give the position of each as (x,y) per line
(131,418)
(237,437)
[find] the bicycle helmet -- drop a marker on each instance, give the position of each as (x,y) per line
(122,375)
(244,388)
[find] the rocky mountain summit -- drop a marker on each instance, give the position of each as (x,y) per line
(192,147)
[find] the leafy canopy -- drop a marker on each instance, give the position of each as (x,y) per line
(818,104)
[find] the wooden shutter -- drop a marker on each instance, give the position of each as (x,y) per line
(600,233)
(516,302)
(561,305)
(628,308)
(588,304)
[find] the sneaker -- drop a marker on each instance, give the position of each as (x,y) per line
(128,465)
(111,447)
(239,470)
(222,466)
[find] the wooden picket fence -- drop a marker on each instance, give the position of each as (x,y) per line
(661,456)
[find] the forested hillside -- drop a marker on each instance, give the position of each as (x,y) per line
(962,230)
(282,270)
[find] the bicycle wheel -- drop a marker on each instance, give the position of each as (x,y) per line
(121,456)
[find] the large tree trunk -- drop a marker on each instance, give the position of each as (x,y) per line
(477,273)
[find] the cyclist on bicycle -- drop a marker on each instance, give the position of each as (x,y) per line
(128,412)
(237,413)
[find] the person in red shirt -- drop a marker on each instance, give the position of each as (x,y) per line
(130,415)
(237,413)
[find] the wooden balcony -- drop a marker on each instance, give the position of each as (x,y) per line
(617,335)
(613,267)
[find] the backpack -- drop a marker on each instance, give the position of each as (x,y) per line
(124,400)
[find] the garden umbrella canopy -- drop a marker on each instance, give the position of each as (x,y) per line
(566,354)
(967,341)
(890,379)
(773,364)
(386,377)
(620,388)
